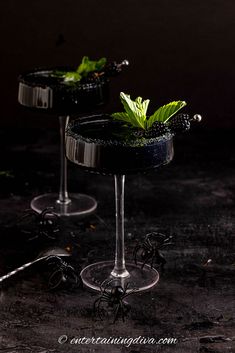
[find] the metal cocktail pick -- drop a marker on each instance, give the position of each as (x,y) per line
(42,256)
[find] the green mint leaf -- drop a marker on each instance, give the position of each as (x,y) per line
(100,64)
(84,64)
(164,113)
(121,116)
(88,65)
(136,116)
(72,76)
(143,107)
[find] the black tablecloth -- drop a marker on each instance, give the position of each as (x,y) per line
(191,199)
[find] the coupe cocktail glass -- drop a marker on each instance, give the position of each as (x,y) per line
(42,91)
(99,144)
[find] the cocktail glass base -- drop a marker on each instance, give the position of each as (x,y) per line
(78,205)
(98,275)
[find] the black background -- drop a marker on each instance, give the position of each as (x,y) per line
(177,50)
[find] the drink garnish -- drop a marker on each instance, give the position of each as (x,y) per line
(86,67)
(135,112)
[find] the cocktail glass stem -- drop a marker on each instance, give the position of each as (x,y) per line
(63,193)
(63,205)
(119,270)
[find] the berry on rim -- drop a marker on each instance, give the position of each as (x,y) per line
(157,129)
(179,123)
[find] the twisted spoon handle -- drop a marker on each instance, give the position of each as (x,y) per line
(19,269)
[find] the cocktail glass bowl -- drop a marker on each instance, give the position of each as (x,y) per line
(98,144)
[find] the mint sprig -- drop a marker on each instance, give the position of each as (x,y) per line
(85,67)
(135,112)
(88,66)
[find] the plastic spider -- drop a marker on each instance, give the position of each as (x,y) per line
(149,250)
(113,298)
(44,224)
(62,274)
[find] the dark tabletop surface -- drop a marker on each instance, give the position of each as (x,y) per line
(191,199)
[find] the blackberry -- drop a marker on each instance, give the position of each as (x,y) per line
(179,123)
(157,129)
(114,68)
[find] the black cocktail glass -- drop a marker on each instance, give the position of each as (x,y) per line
(99,144)
(45,92)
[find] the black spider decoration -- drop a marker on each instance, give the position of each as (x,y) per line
(62,274)
(149,250)
(113,298)
(44,224)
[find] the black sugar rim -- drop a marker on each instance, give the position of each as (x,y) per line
(132,142)
(25,79)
